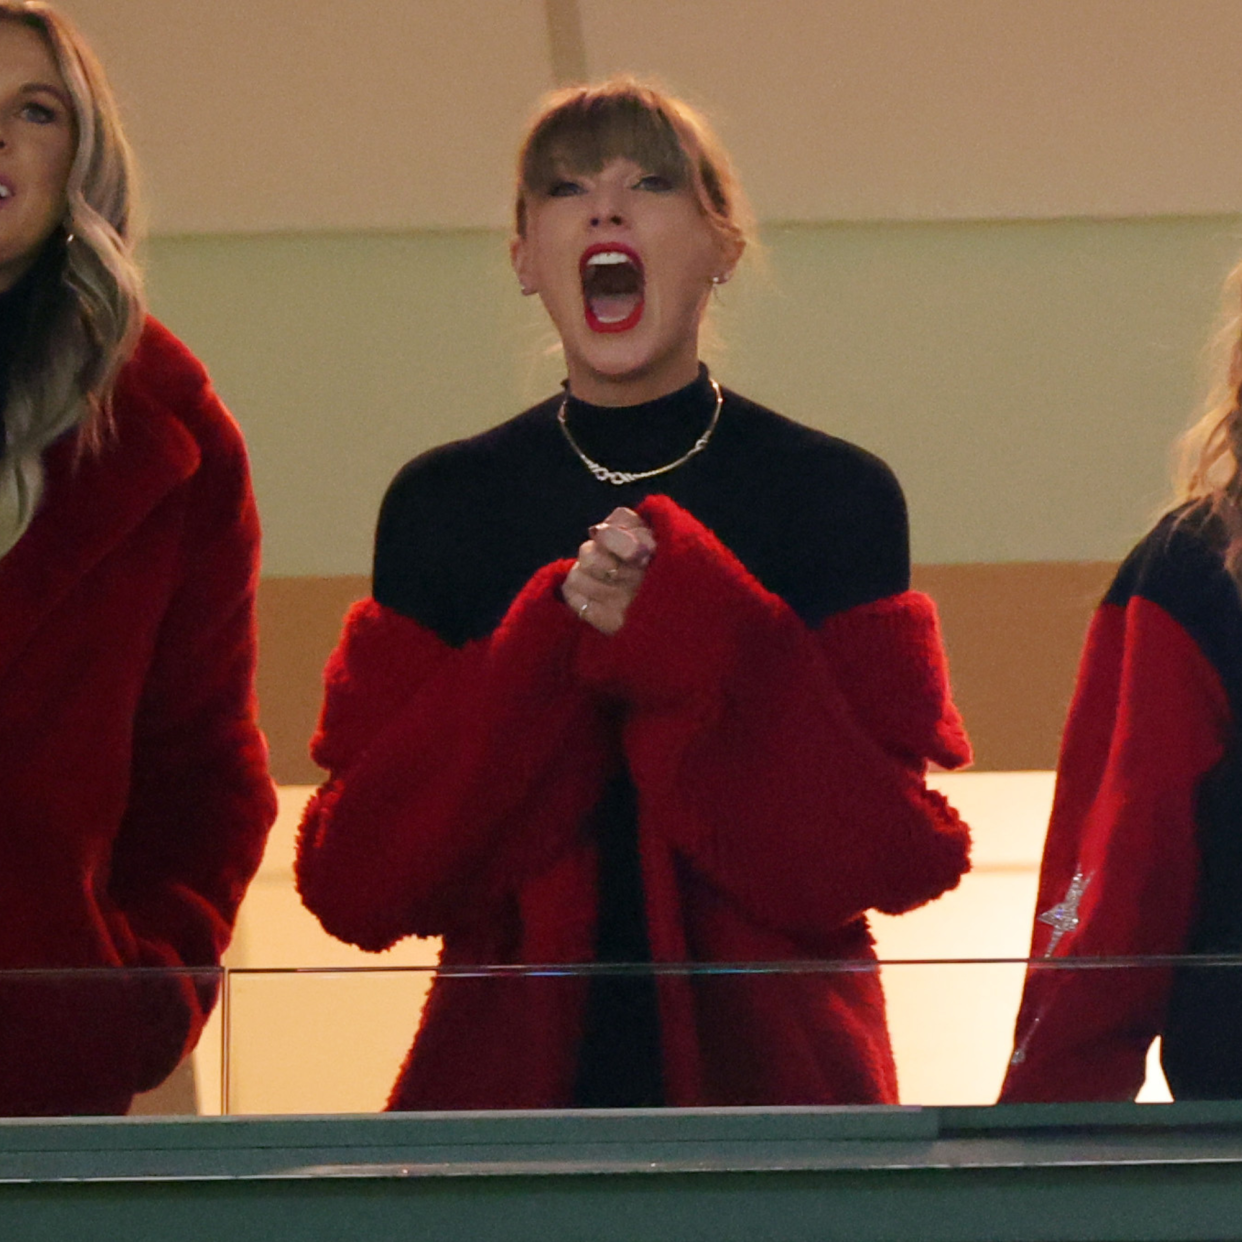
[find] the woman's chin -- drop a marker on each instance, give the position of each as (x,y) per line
(629,372)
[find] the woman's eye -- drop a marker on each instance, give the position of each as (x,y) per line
(39,113)
(564,189)
(654,182)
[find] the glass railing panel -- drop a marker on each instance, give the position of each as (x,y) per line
(951,1026)
(776,1033)
(319,1041)
(333,1040)
(109,1040)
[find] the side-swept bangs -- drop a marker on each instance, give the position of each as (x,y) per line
(591,131)
(583,128)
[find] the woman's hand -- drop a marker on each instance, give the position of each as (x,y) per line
(609,570)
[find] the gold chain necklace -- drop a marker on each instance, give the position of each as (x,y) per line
(619,478)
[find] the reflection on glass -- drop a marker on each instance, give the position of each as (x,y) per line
(319,1041)
(989,914)
(332,1040)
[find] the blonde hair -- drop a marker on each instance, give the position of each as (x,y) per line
(1209,473)
(87,303)
(583,128)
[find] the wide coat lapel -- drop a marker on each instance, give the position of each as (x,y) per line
(91,502)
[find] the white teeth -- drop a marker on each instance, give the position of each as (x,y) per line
(5,192)
(608,258)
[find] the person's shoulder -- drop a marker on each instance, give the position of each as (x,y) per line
(1179,566)
(161,368)
(797,452)
(1178,562)
(163,384)
(845,504)
(461,472)
(446,498)
(442,508)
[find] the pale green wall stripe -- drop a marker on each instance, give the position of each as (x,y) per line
(1024,379)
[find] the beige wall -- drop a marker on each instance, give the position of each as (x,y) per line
(957,109)
(1025,380)
(329,186)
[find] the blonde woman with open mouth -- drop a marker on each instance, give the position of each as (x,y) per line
(641,684)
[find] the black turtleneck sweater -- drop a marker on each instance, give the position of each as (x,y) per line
(818,521)
(12,306)
(25,310)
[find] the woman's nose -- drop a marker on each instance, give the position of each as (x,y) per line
(606,207)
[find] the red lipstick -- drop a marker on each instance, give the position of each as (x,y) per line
(612,286)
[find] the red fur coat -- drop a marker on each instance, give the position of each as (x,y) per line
(134,796)
(781,795)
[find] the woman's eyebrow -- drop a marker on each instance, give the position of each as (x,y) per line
(39,88)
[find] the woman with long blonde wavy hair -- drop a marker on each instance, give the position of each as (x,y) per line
(132,775)
(1144,850)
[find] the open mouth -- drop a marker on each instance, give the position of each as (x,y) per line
(612,287)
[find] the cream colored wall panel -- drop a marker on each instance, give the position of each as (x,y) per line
(959,1057)
(913,109)
(343,356)
(317,114)
(1024,380)
(321,1042)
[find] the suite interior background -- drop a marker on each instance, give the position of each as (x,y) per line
(995,231)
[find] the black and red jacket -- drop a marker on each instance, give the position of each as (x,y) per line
(737,775)
(1144,848)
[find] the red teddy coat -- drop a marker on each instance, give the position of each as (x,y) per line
(781,795)
(134,796)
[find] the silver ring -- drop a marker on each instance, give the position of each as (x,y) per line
(586,603)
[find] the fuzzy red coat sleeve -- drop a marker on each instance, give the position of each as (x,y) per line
(1148,721)
(454,772)
(786,765)
(201,801)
